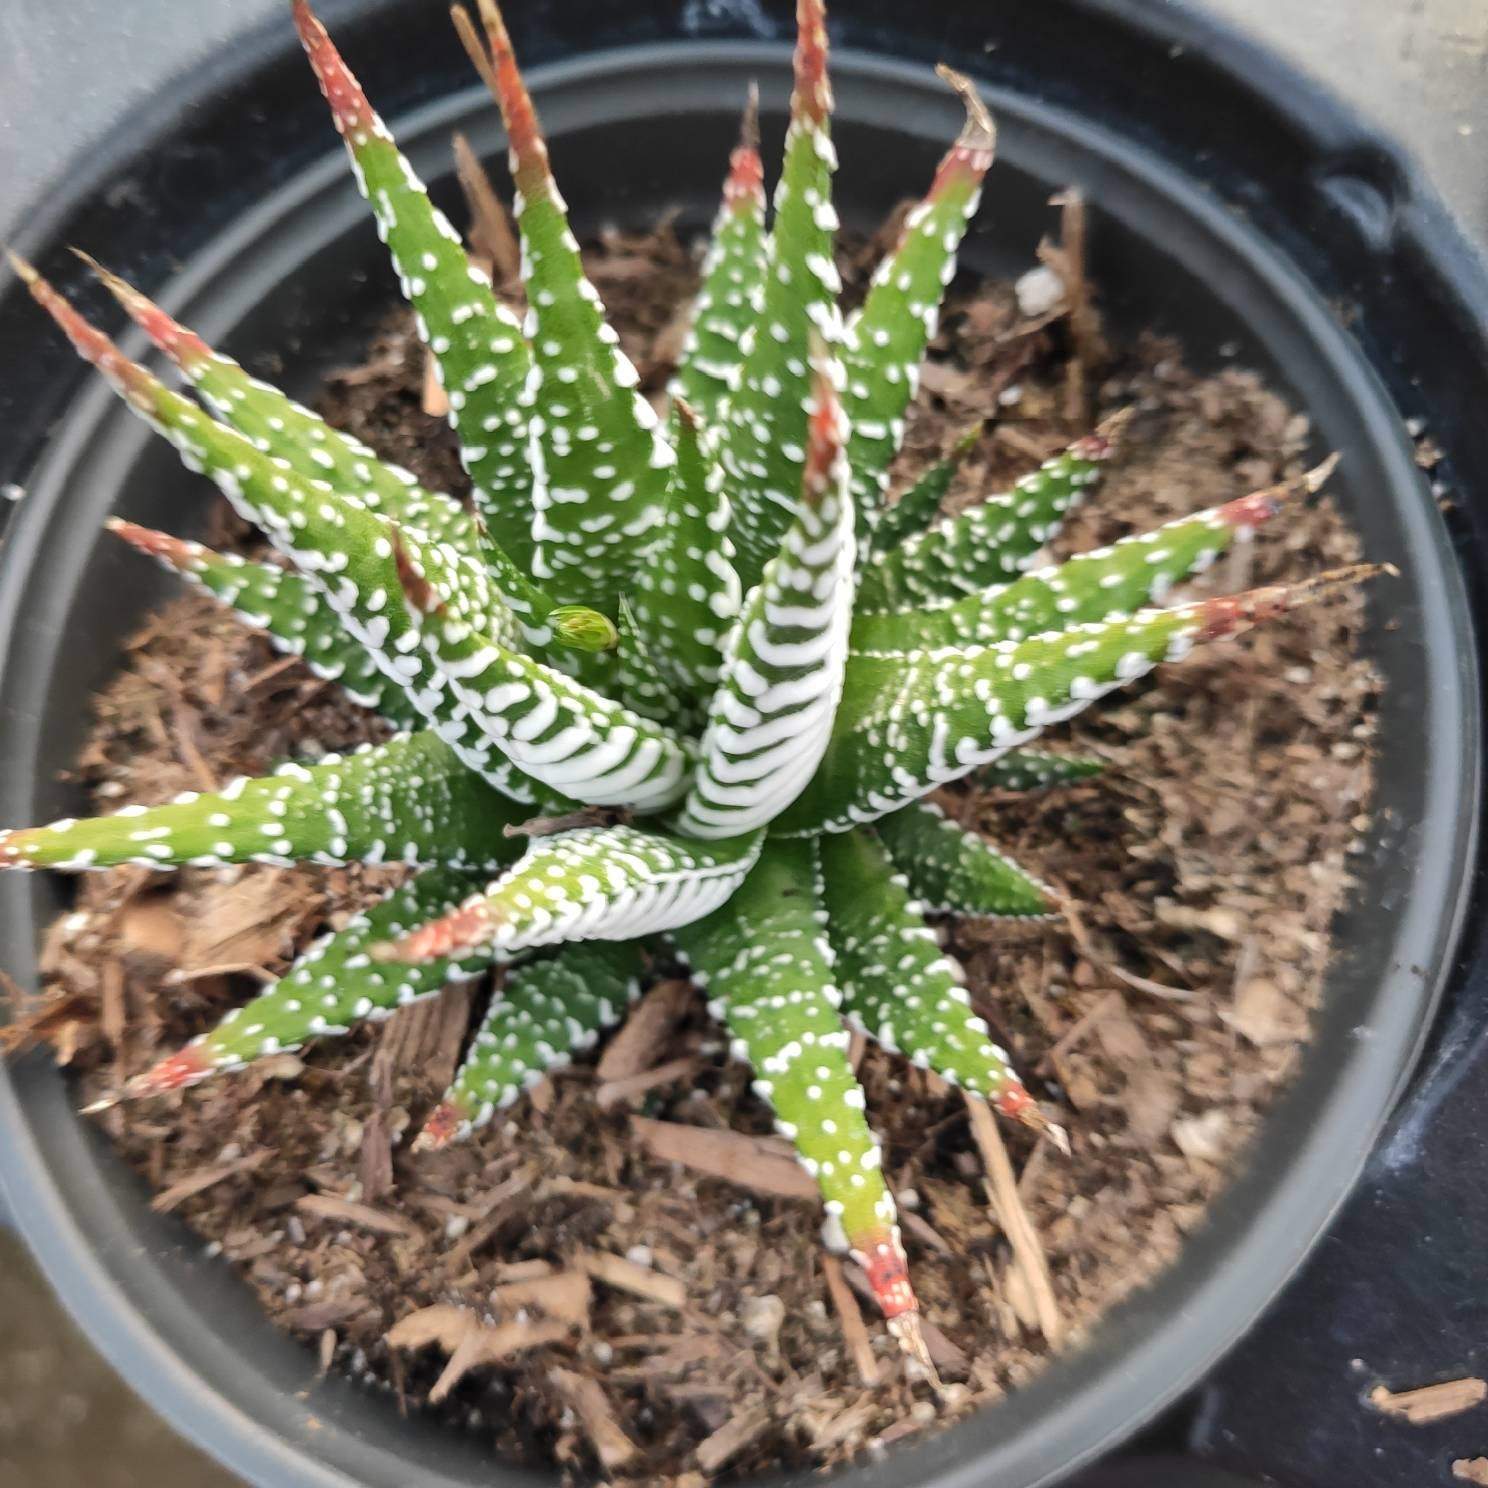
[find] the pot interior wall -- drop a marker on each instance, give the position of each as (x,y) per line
(291,291)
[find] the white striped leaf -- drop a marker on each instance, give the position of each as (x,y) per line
(771,717)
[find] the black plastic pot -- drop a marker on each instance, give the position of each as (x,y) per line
(1237,213)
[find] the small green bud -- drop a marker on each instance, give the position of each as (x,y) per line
(582,628)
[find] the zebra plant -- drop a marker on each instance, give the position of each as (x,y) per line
(661,688)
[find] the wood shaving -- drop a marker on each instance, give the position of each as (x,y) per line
(1430,1402)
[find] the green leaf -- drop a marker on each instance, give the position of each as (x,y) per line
(1033,769)
(918,507)
(897,986)
(767,970)
(639,680)
(310,447)
(277,425)
(886,339)
(284,605)
(332,986)
(1136,571)
(733,275)
(763,437)
(985,544)
(409,800)
(953,871)
(483,361)
(546,1011)
(592,883)
(600,463)
(910,721)
(359,561)
(686,592)
(771,717)
(575,741)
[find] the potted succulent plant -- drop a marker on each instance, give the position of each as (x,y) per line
(674,694)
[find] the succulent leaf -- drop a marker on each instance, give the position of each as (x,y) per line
(332,986)
(639,678)
(285,606)
(886,338)
(732,275)
(986,544)
(953,871)
(763,439)
(1137,571)
(686,592)
(767,969)
(306,444)
(771,717)
(912,720)
(478,347)
(359,561)
(409,800)
(918,507)
(592,883)
(278,426)
(600,463)
(898,987)
(575,741)
(1033,769)
(546,1011)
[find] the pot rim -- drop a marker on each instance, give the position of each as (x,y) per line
(1082,1397)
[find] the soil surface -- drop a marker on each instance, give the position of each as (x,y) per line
(558,1288)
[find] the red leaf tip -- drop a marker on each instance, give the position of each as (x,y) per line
(188,1066)
(454,934)
(881,1255)
(349,107)
(745,186)
(90,343)
(496,62)
(183,347)
(1233,613)
(440,1129)
(812,98)
(175,551)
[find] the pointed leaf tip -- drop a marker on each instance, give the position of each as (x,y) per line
(349,107)
(1248,512)
(133,382)
(745,184)
(496,62)
(812,98)
(23,269)
(186,1067)
(978,137)
(175,551)
(1233,614)
(182,346)
(1316,478)
(749,135)
(1106,438)
(911,1339)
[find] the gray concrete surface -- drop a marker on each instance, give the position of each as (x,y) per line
(1417,67)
